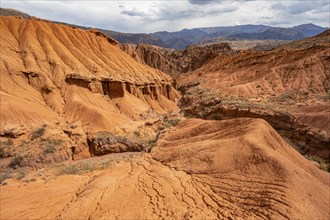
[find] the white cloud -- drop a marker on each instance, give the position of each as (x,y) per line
(150,16)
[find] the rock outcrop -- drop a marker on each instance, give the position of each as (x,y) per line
(104,143)
(70,76)
(175,62)
(303,65)
(288,87)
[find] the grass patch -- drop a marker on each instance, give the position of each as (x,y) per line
(75,169)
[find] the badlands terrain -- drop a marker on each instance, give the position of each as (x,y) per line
(207,132)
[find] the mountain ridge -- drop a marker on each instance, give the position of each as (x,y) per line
(185,37)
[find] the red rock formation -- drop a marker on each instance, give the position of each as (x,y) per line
(73,76)
(175,62)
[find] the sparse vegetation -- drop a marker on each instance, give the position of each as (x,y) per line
(84,167)
(39,132)
(75,169)
(16,161)
(298,147)
(7,143)
(326,97)
(50,145)
(21,173)
(2,152)
(217,117)
(324,166)
(105,164)
(3,146)
(172,122)
(104,135)
(5,174)
(291,97)
(321,161)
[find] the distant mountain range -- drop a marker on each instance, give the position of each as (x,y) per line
(186,37)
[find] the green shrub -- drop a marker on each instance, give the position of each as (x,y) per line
(324,166)
(173,122)
(38,132)
(16,161)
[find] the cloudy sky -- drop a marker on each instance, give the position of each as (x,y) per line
(172,15)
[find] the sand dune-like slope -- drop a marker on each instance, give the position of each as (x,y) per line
(50,69)
(233,169)
(302,65)
(293,80)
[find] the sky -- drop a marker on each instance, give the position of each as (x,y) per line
(133,16)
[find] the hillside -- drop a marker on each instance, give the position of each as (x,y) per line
(199,169)
(71,77)
(287,86)
(290,64)
(176,62)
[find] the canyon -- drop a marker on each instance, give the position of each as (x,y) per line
(113,131)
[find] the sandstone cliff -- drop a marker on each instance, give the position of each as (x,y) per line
(51,73)
(176,62)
